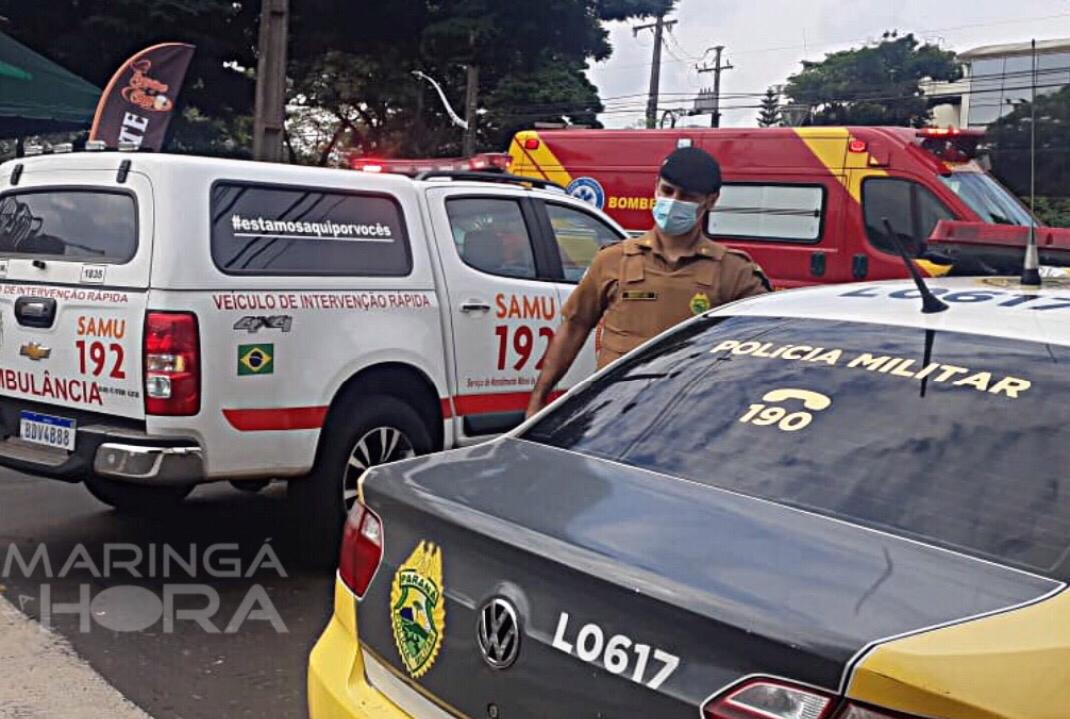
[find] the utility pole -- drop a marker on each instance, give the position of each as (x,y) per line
(655,66)
(270,111)
(471,98)
(717,68)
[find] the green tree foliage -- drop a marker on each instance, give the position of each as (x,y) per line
(93,39)
(769,115)
(627,9)
(1009,141)
(874,85)
(350,64)
(532,59)
(1053,211)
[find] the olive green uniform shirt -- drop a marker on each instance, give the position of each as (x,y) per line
(640,294)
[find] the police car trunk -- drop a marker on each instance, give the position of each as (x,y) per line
(75,256)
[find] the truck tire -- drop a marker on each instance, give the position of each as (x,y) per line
(252,486)
(136,498)
(361,433)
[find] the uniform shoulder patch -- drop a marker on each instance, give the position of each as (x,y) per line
(739,253)
(758,271)
(760,274)
(755,268)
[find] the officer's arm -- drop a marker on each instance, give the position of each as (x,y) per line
(581,313)
(749,279)
(567,343)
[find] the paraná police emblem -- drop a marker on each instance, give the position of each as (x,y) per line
(418,609)
(700,303)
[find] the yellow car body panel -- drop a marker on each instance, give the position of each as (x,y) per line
(337,687)
(1013,665)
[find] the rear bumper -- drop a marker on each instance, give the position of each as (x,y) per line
(337,683)
(117,452)
(149,463)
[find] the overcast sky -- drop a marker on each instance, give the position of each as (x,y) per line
(766,39)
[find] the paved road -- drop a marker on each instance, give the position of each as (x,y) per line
(35,662)
(118,623)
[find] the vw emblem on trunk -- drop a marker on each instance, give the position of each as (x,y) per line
(498,633)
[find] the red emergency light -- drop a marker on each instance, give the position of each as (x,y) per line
(983,248)
(485,162)
(985,234)
(946,132)
(950,144)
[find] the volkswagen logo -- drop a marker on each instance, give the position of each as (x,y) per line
(498,633)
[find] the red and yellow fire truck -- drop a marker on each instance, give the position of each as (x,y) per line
(808,204)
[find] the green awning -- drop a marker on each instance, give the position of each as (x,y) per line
(39,96)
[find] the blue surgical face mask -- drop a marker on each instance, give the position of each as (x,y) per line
(675,217)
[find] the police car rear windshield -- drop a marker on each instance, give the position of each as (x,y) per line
(957,440)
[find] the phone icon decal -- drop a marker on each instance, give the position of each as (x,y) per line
(778,412)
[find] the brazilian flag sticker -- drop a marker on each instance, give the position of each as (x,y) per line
(256,359)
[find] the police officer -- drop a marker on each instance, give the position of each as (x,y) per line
(645,285)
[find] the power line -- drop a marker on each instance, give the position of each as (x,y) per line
(717,68)
(692,57)
(836,43)
(564,109)
(659,27)
(858,93)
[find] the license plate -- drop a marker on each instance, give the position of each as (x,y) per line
(48,430)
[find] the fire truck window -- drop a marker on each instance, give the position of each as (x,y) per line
(990,200)
(912,210)
(928,211)
(579,236)
(491,236)
(790,213)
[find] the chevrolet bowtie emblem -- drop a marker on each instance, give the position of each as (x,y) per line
(35,351)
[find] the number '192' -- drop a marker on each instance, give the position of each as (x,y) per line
(97,354)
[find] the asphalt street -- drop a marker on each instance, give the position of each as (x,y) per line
(135,597)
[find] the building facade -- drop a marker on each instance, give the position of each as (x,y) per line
(998,77)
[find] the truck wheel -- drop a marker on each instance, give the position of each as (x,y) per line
(252,486)
(136,498)
(363,433)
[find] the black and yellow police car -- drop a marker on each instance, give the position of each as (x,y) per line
(818,504)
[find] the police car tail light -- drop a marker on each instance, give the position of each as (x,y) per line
(770,699)
(362,549)
(172,364)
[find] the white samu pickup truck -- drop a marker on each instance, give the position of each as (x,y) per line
(167,321)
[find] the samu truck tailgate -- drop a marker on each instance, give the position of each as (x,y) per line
(89,358)
(75,253)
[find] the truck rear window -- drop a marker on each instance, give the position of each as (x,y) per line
(80,225)
(258,229)
(957,440)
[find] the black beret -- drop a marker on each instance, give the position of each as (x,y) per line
(692,169)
